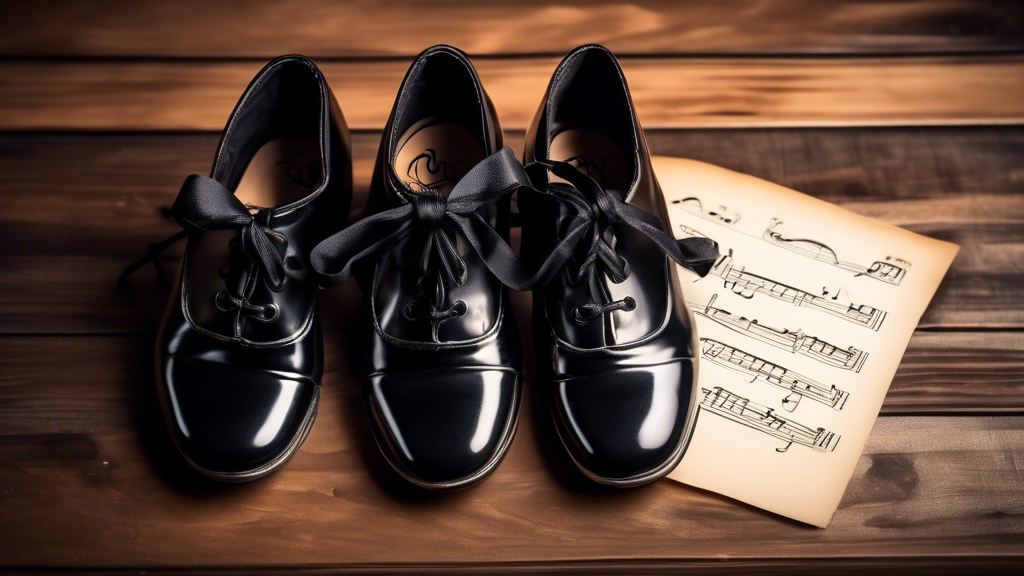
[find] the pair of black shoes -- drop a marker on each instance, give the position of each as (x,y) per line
(240,349)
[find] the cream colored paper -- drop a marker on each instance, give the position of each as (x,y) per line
(802,329)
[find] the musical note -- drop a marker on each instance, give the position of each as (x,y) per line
(883,271)
(721,215)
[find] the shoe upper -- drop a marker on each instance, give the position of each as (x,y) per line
(442,85)
(588,91)
(439,356)
(426,285)
(240,350)
(612,325)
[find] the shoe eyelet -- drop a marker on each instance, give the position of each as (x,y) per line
(264,316)
(630,304)
(409,311)
(222,300)
(577,317)
(460,308)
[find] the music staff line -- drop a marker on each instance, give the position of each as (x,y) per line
(883,271)
(747,284)
(798,385)
(742,411)
(795,342)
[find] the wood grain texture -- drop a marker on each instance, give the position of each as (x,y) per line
(196,28)
(929,565)
(86,479)
(668,92)
(89,480)
(80,208)
(941,372)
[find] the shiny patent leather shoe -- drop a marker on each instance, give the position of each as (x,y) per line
(613,322)
(441,360)
(239,353)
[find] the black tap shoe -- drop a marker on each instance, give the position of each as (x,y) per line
(441,360)
(616,344)
(239,353)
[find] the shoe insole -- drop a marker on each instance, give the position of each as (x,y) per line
(594,154)
(282,171)
(435,156)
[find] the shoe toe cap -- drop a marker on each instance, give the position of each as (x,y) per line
(231,420)
(444,429)
(627,427)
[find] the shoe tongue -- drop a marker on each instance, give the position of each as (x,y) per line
(241,261)
(236,270)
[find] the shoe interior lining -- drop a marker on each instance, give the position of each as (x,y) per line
(282,171)
(589,95)
(594,154)
(280,120)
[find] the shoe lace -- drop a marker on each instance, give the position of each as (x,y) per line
(433,218)
(205,204)
(439,259)
(599,212)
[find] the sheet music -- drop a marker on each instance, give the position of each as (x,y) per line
(802,324)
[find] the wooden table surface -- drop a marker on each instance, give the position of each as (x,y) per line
(911,113)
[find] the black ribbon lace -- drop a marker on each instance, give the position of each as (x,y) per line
(597,209)
(492,179)
(205,204)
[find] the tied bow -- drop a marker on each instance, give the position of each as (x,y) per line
(205,204)
(598,208)
(493,178)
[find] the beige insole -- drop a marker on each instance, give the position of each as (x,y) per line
(282,171)
(434,156)
(594,154)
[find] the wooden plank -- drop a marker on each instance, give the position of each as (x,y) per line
(87,480)
(203,29)
(929,565)
(80,208)
(669,92)
(959,372)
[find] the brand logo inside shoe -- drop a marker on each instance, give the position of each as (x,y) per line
(309,175)
(427,172)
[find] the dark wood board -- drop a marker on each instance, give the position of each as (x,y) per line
(142,94)
(87,480)
(199,29)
